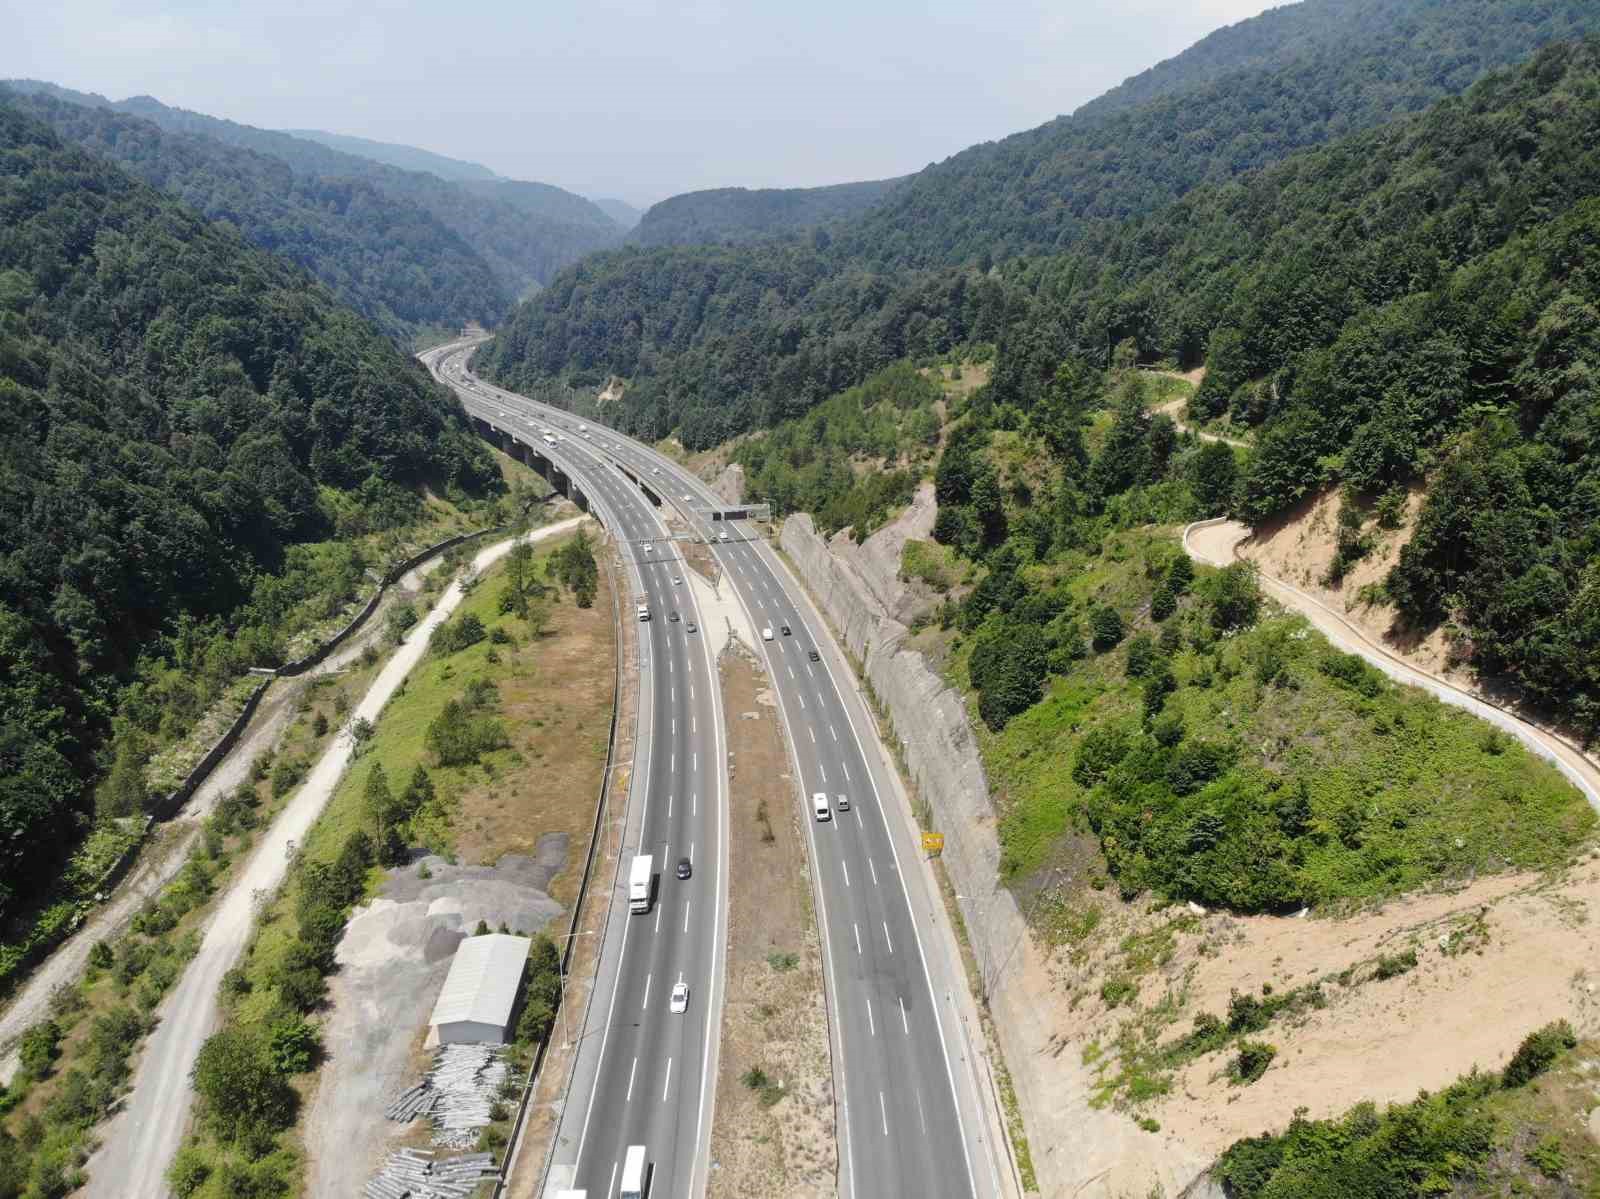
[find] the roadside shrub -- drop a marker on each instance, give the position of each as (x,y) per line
(38,1048)
(188,1172)
(1100,750)
(1114,992)
(1234,594)
(456,635)
(1196,764)
(1351,671)
(459,737)
(1538,1051)
(294,1046)
(244,1098)
(1141,653)
(1251,1062)
(286,775)
(1394,965)
(1105,628)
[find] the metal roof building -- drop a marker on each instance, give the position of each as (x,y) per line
(480,993)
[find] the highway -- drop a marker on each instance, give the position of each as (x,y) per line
(646,1075)
(911,1120)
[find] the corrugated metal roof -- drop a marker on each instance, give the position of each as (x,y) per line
(483,981)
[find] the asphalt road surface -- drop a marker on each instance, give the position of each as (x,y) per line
(912,1123)
(646,1076)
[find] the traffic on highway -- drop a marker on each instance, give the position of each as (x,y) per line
(910,1120)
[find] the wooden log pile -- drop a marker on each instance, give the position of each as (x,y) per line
(417,1174)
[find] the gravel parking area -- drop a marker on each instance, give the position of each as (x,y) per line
(393,959)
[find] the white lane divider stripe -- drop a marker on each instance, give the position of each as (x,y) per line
(872,1025)
(668,1081)
(857,929)
(686,906)
(846,867)
(883,1111)
(872,866)
(886,936)
(632,1070)
(904,1023)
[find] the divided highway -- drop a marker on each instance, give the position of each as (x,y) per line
(644,1074)
(911,1118)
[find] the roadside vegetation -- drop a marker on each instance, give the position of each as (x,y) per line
(443,739)
(76,1063)
(1517,1131)
(855,458)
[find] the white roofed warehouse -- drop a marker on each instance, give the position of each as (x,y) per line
(480,994)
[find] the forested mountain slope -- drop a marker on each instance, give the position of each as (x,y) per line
(736,214)
(407,158)
(523,250)
(177,411)
(716,340)
(386,257)
(1294,77)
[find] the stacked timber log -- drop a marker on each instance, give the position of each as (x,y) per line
(416,1174)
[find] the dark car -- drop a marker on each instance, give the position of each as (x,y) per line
(673,617)
(784,629)
(813,655)
(684,869)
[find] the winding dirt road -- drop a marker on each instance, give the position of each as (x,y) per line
(1217,542)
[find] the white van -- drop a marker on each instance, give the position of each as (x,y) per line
(766,634)
(819,805)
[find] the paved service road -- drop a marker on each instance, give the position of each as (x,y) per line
(644,1075)
(912,1122)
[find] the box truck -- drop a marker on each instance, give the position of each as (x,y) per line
(639,880)
(633,1174)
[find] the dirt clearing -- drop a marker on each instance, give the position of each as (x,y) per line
(773,1132)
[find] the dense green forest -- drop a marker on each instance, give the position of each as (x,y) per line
(180,411)
(729,215)
(523,248)
(387,258)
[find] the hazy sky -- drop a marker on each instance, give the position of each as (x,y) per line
(627,98)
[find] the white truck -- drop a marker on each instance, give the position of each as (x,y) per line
(643,607)
(633,1174)
(640,878)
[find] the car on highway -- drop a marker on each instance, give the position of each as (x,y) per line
(766,634)
(679,1003)
(692,627)
(784,629)
(724,537)
(813,655)
(655,470)
(685,869)
(648,548)
(677,580)
(842,802)
(673,616)
(819,806)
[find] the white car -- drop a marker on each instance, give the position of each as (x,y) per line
(766,634)
(655,470)
(679,1002)
(677,580)
(648,548)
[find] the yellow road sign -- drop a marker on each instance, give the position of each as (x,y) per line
(933,842)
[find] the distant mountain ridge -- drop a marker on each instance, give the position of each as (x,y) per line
(737,214)
(384,256)
(625,214)
(407,158)
(523,246)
